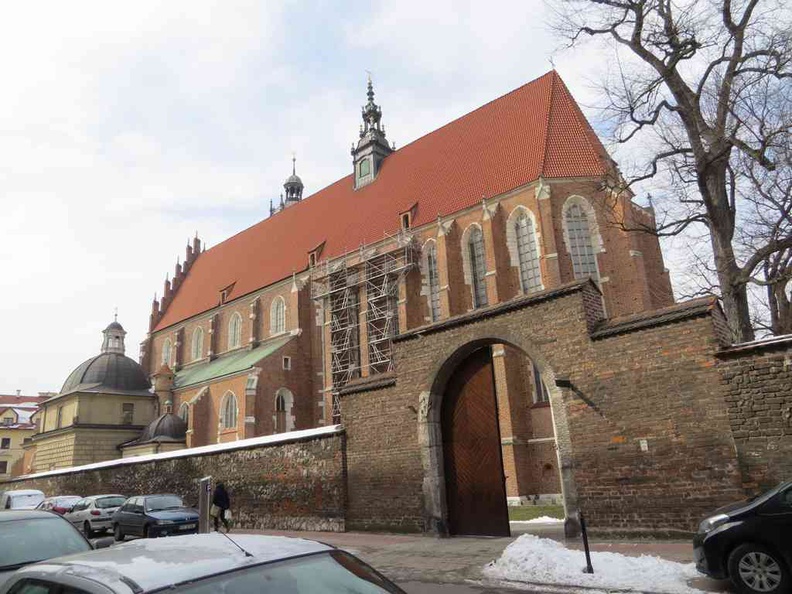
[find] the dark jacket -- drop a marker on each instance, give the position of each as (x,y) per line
(220,497)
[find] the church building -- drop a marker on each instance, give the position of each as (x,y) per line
(264,332)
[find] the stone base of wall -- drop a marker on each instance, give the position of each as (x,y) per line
(293,481)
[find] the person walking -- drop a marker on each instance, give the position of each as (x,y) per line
(221,503)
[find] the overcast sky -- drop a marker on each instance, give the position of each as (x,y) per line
(125,127)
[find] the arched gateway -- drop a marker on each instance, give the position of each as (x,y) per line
(627,398)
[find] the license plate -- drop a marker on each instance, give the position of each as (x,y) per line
(187,527)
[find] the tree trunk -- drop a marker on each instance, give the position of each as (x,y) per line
(780,309)
(734,291)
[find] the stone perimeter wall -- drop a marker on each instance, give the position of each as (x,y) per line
(297,485)
(757,380)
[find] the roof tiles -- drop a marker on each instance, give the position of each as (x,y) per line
(535,130)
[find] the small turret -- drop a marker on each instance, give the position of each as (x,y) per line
(114,337)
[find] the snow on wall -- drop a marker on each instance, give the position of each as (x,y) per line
(264,440)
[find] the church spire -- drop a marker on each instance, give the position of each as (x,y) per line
(372,147)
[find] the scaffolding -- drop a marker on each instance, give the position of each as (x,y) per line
(338,287)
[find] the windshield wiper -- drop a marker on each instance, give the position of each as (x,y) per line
(18,565)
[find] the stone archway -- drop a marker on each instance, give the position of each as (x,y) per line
(430,435)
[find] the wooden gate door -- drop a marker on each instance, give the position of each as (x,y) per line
(475,484)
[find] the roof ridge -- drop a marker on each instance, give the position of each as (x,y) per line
(547,122)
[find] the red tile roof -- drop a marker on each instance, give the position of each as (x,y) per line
(14,401)
(536,130)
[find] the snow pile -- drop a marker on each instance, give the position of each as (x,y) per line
(544,561)
(539,520)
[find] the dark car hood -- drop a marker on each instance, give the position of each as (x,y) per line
(735,509)
(183,513)
(747,505)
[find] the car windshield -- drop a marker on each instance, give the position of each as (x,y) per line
(24,500)
(105,502)
(334,571)
(159,502)
(25,541)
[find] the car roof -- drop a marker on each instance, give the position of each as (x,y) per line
(163,562)
(23,492)
(9,515)
(107,495)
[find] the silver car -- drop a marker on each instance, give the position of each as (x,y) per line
(204,564)
(94,514)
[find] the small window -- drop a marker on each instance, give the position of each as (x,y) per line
(287,363)
(127,413)
(184,413)
(540,390)
(364,168)
(5,443)
(278,316)
(166,352)
(60,417)
(8,420)
(197,343)
(312,259)
(229,411)
(235,331)
(405,220)
(3,466)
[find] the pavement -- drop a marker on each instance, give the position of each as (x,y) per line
(430,565)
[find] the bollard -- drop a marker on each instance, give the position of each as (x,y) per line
(589,568)
(204,503)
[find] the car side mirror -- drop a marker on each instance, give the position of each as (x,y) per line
(103,543)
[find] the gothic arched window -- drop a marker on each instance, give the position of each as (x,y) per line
(528,254)
(478,268)
(433,280)
(229,411)
(284,400)
(580,242)
(197,343)
(278,316)
(184,413)
(166,352)
(235,331)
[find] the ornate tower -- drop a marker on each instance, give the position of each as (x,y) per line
(293,186)
(372,148)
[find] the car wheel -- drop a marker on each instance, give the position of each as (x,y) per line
(754,568)
(117,533)
(87,530)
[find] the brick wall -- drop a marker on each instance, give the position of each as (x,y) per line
(297,484)
(646,378)
(757,380)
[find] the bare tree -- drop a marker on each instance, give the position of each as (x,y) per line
(703,88)
(768,195)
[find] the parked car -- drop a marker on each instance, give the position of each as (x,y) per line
(750,542)
(154,515)
(29,536)
(21,499)
(203,564)
(95,514)
(60,505)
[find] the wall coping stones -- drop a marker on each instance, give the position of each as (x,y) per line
(254,442)
(498,309)
(780,342)
(675,313)
(374,382)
